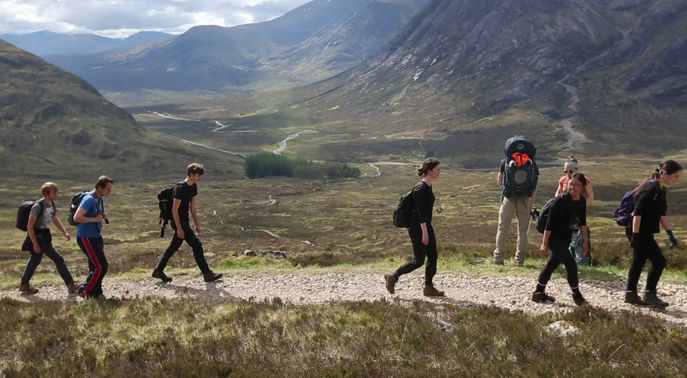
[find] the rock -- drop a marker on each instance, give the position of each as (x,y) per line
(562,328)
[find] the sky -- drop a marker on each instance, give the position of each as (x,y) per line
(121,18)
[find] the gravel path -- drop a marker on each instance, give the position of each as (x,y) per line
(316,287)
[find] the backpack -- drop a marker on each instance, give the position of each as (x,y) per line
(165,201)
(520,171)
(544,215)
(405,212)
(623,213)
(74,205)
(24,211)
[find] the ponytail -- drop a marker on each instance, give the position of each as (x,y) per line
(427,165)
(668,166)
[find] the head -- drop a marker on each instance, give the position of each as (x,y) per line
(668,172)
(570,166)
(430,169)
(576,184)
(195,172)
(49,190)
(103,187)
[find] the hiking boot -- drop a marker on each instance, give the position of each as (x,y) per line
(431,291)
(390,282)
(27,289)
(161,275)
(579,299)
(72,289)
(633,298)
(497,262)
(211,276)
(653,301)
(542,297)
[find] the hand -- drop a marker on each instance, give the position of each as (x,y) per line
(672,238)
(634,242)
(197,229)
(99,218)
(180,233)
(66,236)
(585,250)
(543,248)
(36,248)
(425,238)
(106,219)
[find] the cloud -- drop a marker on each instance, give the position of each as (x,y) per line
(123,17)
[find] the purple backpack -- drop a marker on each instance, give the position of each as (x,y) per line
(623,213)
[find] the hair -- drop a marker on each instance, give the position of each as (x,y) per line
(668,166)
(103,181)
(581,177)
(48,187)
(572,159)
(195,168)
(427,165)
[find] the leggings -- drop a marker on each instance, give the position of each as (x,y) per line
(420,252)
(560,253)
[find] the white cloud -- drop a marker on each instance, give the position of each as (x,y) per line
(123,17)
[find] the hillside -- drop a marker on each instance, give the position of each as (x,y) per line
(56,125)
(310,43)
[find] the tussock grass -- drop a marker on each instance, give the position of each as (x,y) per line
(157,337)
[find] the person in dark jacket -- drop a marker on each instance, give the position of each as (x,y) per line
(567,213)
(649,214)
(421,232)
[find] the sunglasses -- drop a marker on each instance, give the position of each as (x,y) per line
(569,171)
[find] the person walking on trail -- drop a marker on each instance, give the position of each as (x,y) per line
(39,240)
(421,231)
(518,176)
(576,248)
(567,212)
(184,195)
(90,215)
(649,214)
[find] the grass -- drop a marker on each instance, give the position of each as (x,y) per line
(157,337)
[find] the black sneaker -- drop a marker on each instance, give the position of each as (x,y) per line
(390,282)
(161,275)
(541,297)
(579,299)
(633,298)
(653,301)
(212,276)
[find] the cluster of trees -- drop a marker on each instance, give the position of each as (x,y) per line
(267,164)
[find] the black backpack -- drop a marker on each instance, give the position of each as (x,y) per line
(24,211)
(405,212)
(520,172)
(74,205)
(165,200)
(544,214)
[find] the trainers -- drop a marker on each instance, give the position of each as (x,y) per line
(161,275)
(542,297)
(632,297)
(72,288)
(579,299)
(651,299)
(390,282)
(212,276)
(27,289)
(431,291)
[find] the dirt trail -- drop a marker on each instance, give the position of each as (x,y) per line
(306,287)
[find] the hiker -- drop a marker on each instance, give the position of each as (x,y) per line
(650,212)
(576,248)
(518,176)
(89,216)
(184,201)
(567,212)
(421,231)
(39,240)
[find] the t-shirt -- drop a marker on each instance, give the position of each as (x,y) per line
(423,201)
(185,193)
(94,206)
(45,219)
(651,205)
(566,215)
(563,184)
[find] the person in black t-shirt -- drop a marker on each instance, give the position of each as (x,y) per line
(567,212)
(421,232)
(184,202)
(650,213)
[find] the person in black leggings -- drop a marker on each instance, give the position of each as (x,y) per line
(421,231)
(650,212)
(567,212)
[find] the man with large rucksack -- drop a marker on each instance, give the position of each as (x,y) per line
(518,176)
(183,203)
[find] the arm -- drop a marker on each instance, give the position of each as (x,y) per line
(559,189)
(32,232)
(499,179)
(545,242)
(194,215)
(533,199)
(80,217)
(60,226)
(584,231)
(176,203)
(589,190)
(665,222)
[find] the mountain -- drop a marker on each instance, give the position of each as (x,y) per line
(310,43)
(54,124)
(45,43)
(574,75)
